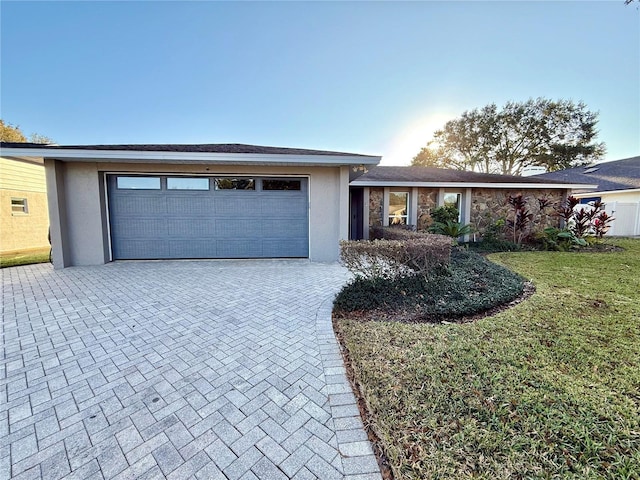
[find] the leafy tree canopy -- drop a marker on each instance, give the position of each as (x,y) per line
(541,132)
(12,133)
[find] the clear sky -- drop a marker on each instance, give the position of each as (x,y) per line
(363,77)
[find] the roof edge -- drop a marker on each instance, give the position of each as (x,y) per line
(514,185)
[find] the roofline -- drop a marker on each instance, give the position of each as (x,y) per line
(606,192)
(129,156)
(373,183)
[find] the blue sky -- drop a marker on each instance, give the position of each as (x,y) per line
(365,77)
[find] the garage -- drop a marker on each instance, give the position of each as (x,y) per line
(179,216)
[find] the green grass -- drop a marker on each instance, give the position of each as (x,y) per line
(27,257)
(548,389)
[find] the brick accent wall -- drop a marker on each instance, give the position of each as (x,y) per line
(376,206)
(427,201)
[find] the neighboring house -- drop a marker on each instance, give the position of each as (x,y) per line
(618,186)
(407,195)
(24,218)
(111,202)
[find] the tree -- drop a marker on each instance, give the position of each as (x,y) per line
(542,132)
(12,133)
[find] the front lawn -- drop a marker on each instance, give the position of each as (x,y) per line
(548,389)
(25,257)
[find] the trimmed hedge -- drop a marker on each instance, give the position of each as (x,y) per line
(418,254)
(470,285)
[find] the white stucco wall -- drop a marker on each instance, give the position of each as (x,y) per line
(80,205)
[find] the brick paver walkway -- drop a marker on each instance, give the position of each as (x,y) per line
(212,370)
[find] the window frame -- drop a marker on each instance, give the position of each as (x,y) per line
(235,179)
(391,216)
(169,189)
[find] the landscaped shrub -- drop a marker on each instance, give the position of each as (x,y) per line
(397,232)
(418,255)
(470,285)
(451,229)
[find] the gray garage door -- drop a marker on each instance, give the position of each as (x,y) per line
(208,217)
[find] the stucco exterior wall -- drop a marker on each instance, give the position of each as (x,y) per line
(85,208)
(489,205)
(23,231)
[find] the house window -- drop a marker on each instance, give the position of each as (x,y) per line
(398,208)
(454,199)
(186,183)
(138,183)
(235,184)
(19,206)
(281,184)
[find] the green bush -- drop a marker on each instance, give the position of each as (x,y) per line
(470,285)
(451,229)
(447,213)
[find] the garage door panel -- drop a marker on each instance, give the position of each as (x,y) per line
(196,248)
(191,227)
(149,224)
(232,206)
(233,248)
(190,204)
(141,249)
(230,228)
(285,248)
(127,227)
(139,204)
(284,228)
(282,207)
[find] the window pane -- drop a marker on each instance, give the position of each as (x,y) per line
(235,184)
(139,183)
(281,184)
(186,183)
(398,202)
(452,199)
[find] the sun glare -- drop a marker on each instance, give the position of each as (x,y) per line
(415,135)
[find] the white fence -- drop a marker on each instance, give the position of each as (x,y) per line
(627,218)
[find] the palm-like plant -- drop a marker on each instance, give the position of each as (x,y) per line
(451,229)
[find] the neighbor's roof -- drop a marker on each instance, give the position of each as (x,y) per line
(609,176)
(441,177)
(184,153)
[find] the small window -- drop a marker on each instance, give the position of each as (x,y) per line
(19,206)
(398,208)
(138,183)
(281,184)
(235,184)
(187,183)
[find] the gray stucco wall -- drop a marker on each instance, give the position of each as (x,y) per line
(76,198)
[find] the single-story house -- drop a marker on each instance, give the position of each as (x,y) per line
(618,186)
(24,217)
(407,195)
(125,202)
(116,202)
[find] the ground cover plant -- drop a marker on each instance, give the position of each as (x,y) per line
(26,257)
(468,285)
(547,389)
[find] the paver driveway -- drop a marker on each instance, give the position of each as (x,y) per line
(211,369)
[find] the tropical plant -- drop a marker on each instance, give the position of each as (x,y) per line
(451,229)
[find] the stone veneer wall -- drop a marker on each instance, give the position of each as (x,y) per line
(376,205)
(489,205)
(427,201)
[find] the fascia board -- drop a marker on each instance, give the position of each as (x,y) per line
(606,192)
(365,183)
(130,156)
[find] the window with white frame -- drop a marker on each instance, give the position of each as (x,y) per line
(398,208)
(454,199)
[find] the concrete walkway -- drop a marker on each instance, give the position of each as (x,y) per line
(182,369)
